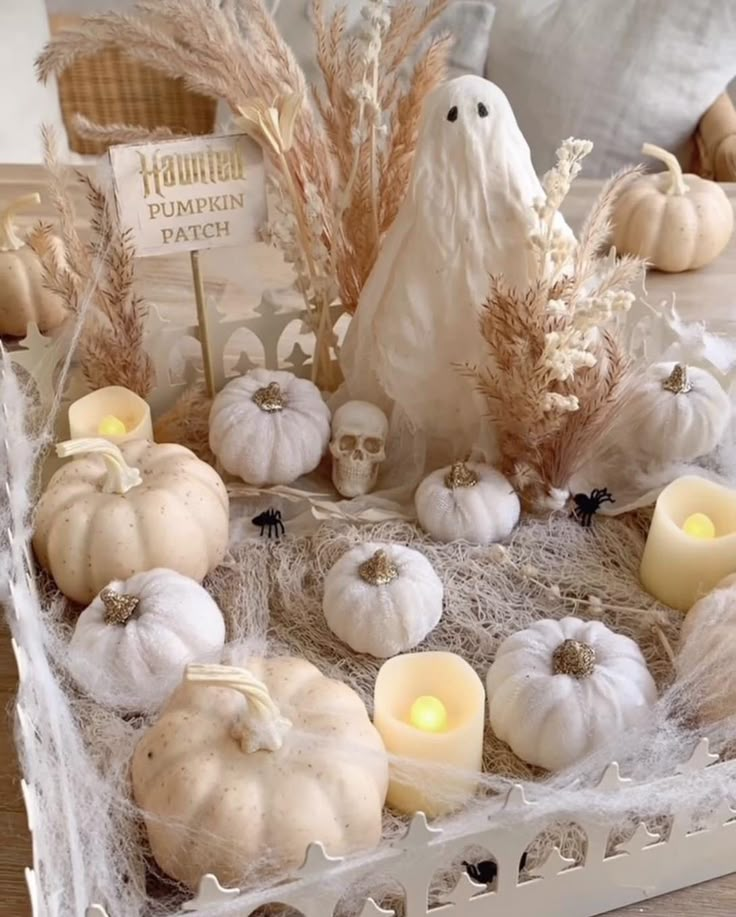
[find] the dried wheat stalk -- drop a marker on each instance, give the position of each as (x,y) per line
(111,349)
(344,171)
(557,377)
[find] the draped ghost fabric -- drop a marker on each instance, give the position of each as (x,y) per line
(466,215)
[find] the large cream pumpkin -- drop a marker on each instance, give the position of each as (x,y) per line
(706,660)
(248,766)
(23,295)
(119,510)
(676,222)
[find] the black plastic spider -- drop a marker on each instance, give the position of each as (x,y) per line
(270,521)
(587,505)
(485,873)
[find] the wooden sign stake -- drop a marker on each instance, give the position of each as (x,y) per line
(204,331)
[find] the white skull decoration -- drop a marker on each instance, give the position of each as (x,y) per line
(358,447)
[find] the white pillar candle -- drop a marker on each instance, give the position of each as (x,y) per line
(442,695)
(114,413)
(678,568)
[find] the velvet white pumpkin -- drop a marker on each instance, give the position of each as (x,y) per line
(130,646)
(382,599)
(560,689)
(119,510)
(676,413)
(706,660)
(676,222)
(269,427)
(247,766)
(467,502)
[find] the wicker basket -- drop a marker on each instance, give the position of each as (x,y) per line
(108,89)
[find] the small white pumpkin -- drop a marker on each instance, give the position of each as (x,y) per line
(707,653)
(676,413)
(130,646)
(23,295)
(382,599)
(269,427)
(676,222)
(248,766)
(102,519)
(467,502)
(560,689)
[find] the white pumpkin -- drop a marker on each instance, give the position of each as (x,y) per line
(560,689)
(676,413)
(130,646)
(382,599)
(467,502)
(24,297)
(102,519)
(676,222)
(706,659)
(269,427)
(246,767)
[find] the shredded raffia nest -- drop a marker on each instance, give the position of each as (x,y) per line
(187,423)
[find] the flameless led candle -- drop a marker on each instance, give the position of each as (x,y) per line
(115,413)
(430,708)
(691,544)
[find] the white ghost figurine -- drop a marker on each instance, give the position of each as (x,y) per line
(467,214)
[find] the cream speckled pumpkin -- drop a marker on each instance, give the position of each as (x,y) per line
(467,502)
(382,599)
(246,767)
(23,296)
(269,427)
(676,222)
(100,520)
(130,645)
(559,689)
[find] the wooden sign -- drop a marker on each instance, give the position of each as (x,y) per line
(190,194)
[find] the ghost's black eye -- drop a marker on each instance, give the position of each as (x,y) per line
(452,113)
(482,110)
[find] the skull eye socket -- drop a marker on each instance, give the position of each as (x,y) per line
(347,442)
(372,445)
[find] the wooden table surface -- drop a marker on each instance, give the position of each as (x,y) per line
(238,283)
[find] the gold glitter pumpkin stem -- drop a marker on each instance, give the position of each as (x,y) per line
(678,382)
(378,570)
(574,658)
(119,607)
(270,398)
(460,475)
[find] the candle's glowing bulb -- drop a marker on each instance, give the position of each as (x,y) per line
(111,426)
(699,526)
(428,714)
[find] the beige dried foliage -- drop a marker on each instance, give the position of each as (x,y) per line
(111,134)
(557,377)
(111,346)
(187,423)
(346,171)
